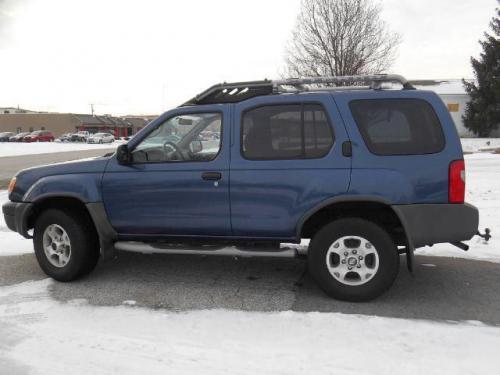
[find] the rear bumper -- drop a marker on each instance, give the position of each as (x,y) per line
(427,224)
(16,215)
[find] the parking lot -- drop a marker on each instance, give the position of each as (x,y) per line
(451,301)
(441,289)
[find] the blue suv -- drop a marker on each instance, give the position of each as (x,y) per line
(365,170)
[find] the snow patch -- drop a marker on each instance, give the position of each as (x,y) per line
(15,148)
(51,337)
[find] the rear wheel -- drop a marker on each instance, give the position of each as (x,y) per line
(66,245)
(353,259)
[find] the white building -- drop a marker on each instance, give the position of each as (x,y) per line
(453,94)
(11,110)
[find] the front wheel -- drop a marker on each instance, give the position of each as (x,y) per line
(353,259)
(66,244)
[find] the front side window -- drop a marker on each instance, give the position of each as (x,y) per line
(190,137)
(294,131)
(398,126)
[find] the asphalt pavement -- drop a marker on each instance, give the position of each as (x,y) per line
(442,289)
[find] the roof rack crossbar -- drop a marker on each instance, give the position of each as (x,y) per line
(239,91)
(374,81)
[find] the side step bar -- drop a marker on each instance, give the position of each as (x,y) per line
(147,248)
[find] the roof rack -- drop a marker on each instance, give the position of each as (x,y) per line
(239,91)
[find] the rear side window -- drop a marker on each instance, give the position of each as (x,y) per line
(294,131)
(398,126)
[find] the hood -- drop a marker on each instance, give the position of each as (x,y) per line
(27,177)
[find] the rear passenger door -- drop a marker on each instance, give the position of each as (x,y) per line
(286,158)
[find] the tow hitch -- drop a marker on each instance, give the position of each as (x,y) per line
(486,234)
(465,247)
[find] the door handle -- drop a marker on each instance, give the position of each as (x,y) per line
(212,176)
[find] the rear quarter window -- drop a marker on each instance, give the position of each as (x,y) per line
(398,126)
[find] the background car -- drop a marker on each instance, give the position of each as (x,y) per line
(80,136)
(101,138)
(4,137)
(66,137)
(18,137)
(39,136)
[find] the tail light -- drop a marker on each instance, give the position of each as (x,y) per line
(456,182)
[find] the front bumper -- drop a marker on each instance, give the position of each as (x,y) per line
(427,224)
(16,216)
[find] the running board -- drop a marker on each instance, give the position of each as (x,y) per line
(148,248)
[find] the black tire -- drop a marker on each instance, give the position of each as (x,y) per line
(83,239)
(383,278)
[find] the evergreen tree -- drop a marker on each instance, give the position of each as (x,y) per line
(482,114)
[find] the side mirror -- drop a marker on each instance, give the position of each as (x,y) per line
(123,154)
(195,147)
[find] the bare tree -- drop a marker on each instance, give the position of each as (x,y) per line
(340,37)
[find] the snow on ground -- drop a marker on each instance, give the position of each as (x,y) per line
(49,337)
(15,148)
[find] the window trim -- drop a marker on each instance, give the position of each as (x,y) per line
(369,144)
(301,104)
(219,112)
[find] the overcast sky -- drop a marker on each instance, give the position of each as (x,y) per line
(131,57)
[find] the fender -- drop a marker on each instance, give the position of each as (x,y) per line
(83,186)
(369,199)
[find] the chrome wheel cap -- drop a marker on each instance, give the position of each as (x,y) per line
(56,245)
(352,260)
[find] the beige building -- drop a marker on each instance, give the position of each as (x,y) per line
(60,123)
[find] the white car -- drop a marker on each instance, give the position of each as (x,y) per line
(101,138)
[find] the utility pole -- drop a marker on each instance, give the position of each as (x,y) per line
(92,109)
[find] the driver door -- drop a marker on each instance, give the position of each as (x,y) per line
(178,181)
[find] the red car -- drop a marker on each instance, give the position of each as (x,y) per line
(39,136)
